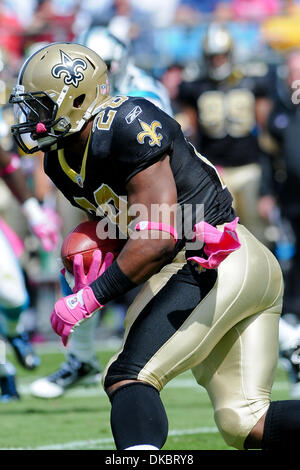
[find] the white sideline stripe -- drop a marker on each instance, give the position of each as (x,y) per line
(109,440)
(97,390)
(54,347)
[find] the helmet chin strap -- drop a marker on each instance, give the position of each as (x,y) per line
(46,141)
(48,138)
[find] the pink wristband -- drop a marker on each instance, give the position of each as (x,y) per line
(12,166)
(146,225)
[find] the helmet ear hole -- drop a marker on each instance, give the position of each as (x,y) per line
(77,103)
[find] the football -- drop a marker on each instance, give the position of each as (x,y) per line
(83,240)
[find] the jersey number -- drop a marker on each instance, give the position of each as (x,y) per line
(107,203)
(105,118)
(231,113)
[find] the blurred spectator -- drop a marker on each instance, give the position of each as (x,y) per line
(255,10)
(172,79)
(160,14)
(283,125)
(193,11)
(10,33)
(281,32)
(125,18)
(281,204)
(23,11)
(291,7)
(53,21)
(93,12)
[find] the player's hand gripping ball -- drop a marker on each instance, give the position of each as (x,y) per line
(83,240)
(87,257)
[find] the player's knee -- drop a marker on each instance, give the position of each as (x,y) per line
(117,375)
(232,426)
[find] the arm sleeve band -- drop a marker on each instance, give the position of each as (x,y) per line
(111,284)
(146,225)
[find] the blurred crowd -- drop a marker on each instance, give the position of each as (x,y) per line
(233,92)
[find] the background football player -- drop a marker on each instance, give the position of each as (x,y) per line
(280,199)
(229,101)
(81,365)
(14,297)
(220,321)
(232,103)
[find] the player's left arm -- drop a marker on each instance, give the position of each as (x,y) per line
(152,187)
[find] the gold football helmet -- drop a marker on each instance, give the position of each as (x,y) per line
(217,51)
(60,87)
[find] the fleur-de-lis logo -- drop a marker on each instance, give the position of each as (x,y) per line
(150,131)
(70,68)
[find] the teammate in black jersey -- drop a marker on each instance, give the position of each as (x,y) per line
(228,101)
(213,308)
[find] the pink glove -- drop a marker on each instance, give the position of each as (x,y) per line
(47,235)
(47,231)
(69,312)
(96,269)
(44,222)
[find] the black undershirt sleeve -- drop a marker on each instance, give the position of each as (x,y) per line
(111,284)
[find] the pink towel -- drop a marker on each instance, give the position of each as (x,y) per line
(217,245)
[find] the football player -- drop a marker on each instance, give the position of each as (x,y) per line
(14,297)
(81,365)
(212,308)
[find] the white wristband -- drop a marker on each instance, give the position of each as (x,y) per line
(70,279)
(32,211)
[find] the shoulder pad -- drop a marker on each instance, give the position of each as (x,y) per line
(253,69)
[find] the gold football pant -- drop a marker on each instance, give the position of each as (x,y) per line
(243,183)
(222,324)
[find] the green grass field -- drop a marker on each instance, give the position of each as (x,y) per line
(80,419)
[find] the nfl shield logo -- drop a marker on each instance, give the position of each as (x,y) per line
(79,181)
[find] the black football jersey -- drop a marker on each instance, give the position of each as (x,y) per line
(227,130)
(128,135)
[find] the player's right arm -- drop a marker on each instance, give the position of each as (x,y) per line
(138,260)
